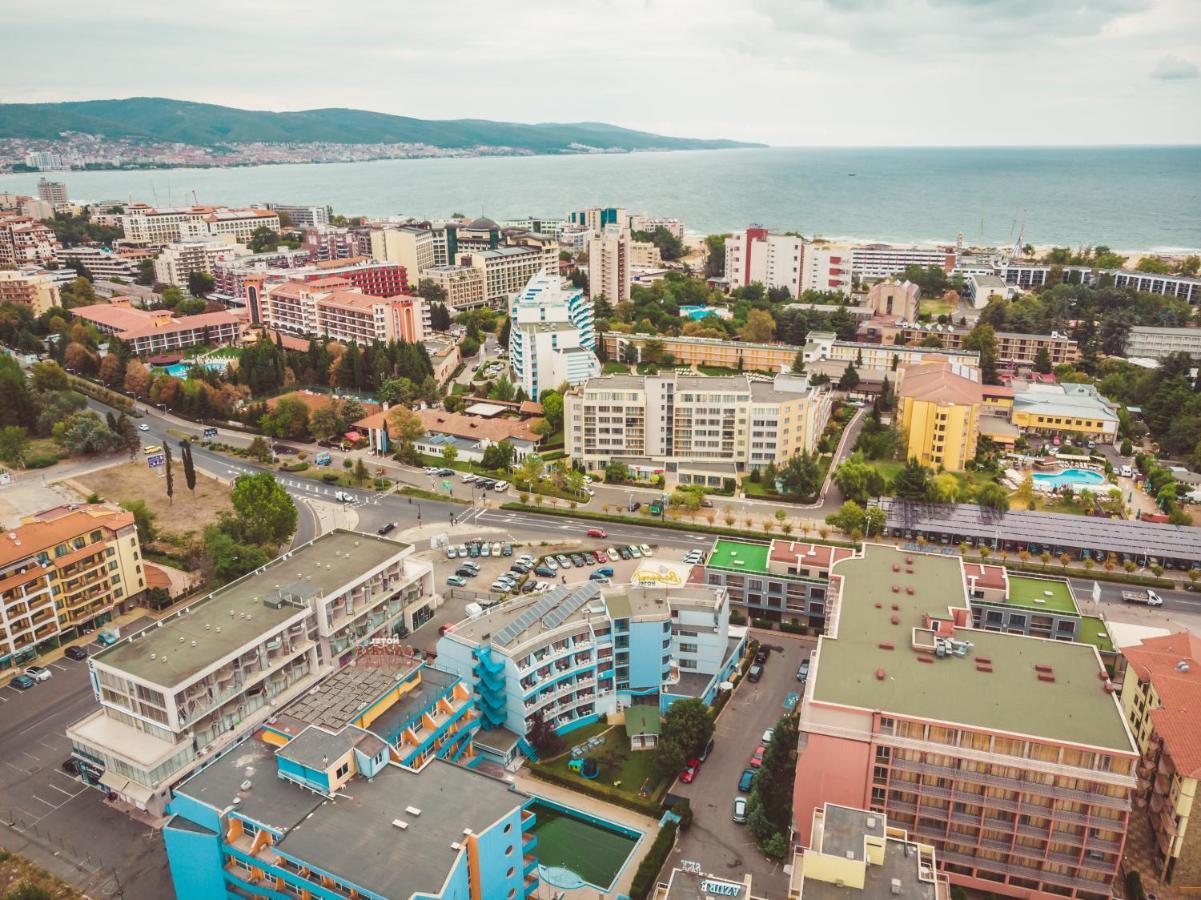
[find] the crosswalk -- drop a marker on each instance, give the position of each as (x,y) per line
(305,489)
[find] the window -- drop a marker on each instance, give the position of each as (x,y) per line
(342,770)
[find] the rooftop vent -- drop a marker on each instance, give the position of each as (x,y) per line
(871,821)
(1046,676)
(896,620)
(456,846)
(1182,666)
(886,645)
(412,810)
(894,886)
(1042,667)
(401,824)
(880,673)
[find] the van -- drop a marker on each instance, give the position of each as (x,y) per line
(472,609)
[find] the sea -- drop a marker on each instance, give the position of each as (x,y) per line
(1128,198)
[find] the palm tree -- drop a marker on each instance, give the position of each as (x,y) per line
(786,528)
(730,520)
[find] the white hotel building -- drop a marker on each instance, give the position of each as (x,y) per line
(553,339)
(772,260)
(175,694)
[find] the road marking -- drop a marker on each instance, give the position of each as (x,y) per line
(49,747)
(67,794)
(70,778)
(3,699)
(11,766)
(60,668)
(47,802)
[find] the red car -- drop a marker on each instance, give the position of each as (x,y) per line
(757,757)
(600,556)
(597,533)
(690,771)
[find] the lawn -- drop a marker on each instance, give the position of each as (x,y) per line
(739,556)
(937,307)
(615,368)
(1093,631)
(135,480)
(1041,593)
(620,767)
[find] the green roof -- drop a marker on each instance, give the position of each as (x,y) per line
(1047,594)
(1009,698)
(1096,632)
(642,720)
(739,556)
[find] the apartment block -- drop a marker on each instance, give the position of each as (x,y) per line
(506,270)
(229,276)
(53,192)
(855,854)
(609,264)
(1015,349)
(179,259)
(579,652)
(100,262)
(939,413)
(735,355)
(1027,604)
(334,308)
(63,570)
(1148,342)
(597,218)
(148,226)
(677,421)
(302,216)
(174,696)
(826,267)
(465,286)
(31,286)
(148,332)
(784,581)
(326,243)
(650,224)
(759,256)
(1008,754)
(1160,697)
(412,248)
(1028,275)
(873,261)
(25,242)
(553,337)
(821,345)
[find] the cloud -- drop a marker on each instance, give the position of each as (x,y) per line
(1174,68)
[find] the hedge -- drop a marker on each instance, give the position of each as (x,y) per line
(765,624)
(423,494)
(294,467)
(647,875)
(597,791)
(790,628)
(1097,572)
(662,523)
(40,460)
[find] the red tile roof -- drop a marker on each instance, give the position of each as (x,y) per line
(939,383)
(815,555)
(986,576)
(1173,666)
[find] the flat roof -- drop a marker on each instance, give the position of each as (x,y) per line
(739,556)
(228,619)
(1094,631)
(1046,528)
(1010,697)
(381,857)
(342,696)
(1048,594)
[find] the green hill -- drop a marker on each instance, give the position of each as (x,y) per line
(204,124)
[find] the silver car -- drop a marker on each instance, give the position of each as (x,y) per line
(740,810)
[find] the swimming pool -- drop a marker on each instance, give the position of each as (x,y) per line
(180,369)
(578,850)
(1076,478)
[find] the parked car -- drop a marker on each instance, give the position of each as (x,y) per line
(606,571)
(597,533)
(462,551)
(76,653)
(578,560)
(485,549)
(506,549)
(634,552)
(761,656)
(464,572)
(757,757)
(690,771)
(496,548)
(469,477)
(71,766)
(708,749)
(802,674)
(452,552)
(612,554)
(623,552)
(108,638)
(693,557)
(456,581)
(544,572)
(501,486)
(646,549)
(755,673)
(740,810)
(386,528)
(38,673)
(563,560)
(747,779)
(600,556)
(767,736)
(444,473)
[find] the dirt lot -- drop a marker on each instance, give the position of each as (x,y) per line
(133,480)
(16,870)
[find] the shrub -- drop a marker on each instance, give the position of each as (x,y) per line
(40,460)
(294,467)
(599,791)
(647,875)
(794,628)
(1134,886)
(330,477)
(382,484)
(765,624)
(737,618)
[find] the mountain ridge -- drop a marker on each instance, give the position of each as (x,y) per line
(159,119)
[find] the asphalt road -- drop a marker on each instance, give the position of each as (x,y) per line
(714,840)
(54,818)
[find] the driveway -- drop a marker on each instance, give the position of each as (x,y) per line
(714,840)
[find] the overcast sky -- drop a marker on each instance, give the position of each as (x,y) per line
(786,72)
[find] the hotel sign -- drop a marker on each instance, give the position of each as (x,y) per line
(720,888)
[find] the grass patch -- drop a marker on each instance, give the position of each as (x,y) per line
(615,368)
(423,494)
(936,307)
(621,769)
(1093,631)
(1026,591)
(21,878)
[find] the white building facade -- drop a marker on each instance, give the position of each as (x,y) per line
(553,337)
(772,260)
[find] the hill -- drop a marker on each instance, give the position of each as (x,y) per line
(204,124)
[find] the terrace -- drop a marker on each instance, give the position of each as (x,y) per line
(1046,594)
(739,557)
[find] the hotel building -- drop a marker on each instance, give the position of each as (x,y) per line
(1160,696)
(873,261)
(465,286)
(32,287)
(147,226)
(25,242)
(1013,348)
(597,218)
(693,427)
(303,216)
(173,696)
(580,652)
(1008,754)
(412,248)
(821,345)
(553,338)
(62,570)
(1027,276)
(332,307)
(1148,342)
(939,413)
(506,270)
(758,256)
(1073,409)
(825,267)
(179,259)
(100,262)
(609,264)
(147,332)
(705,351)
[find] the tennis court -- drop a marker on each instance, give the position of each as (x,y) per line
(590,850)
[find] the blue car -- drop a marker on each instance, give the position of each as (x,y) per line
(748,777)
(544,572)
(602,572)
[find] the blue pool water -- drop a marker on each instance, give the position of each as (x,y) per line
(180,369)
(1077,478)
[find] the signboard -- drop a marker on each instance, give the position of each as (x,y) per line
(720,888)
(210,433)
(156,460)
(1096,592)
(446,485)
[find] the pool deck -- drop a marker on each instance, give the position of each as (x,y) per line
(527,784)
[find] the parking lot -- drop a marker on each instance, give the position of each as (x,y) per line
(714,840)
(53,817)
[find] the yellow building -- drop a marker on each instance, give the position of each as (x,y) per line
(35,288)
(940,414)
(857,854)
(62,569)
(1160,697)
(1073,409)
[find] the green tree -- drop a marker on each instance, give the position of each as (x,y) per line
(715,255)
(502,389)
(189,469)
(168,474)
(801,475)
(552,409)
(849,379)
(143,520)
(450,453)
(616,472)
(912,482)
(266,513)
(983,339)
(229,558)
(850,517)
(289,418)
(361,474)
(993,496)
(48,375)
(85,433)
(14,443)
(263,239)
(798,362)
(760,327)
(858,480)
(769,808)
(498,456)
(432,292)
(1042,361)
(324,422)
(684,731)
(259,450)
(200,283)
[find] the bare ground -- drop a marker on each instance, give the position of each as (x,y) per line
(134,480)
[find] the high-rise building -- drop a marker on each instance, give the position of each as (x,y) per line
(939,414)
(758,256)
(146,225)
(826,267)
(25,242)
(179,259)
(597,218)
(1009,754)
(64,570)
(411,247)
(332,307)
(31,287)
(53,192)
(43,161)
(695,428)
(303,216)
(174,696)
(100,262)
(609,264)
(553,338)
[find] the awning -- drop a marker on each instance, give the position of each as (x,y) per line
(353,436)
(114,782)
(138,793)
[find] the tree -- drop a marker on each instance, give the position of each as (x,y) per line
(289,418)
(769,808)
(543,737)
(189,469)
(170,475)
(858,480)
(760,327)
(137,379)
(266,513)
(361,474)
(849,379)
(684,731)
(983,339)
(502,389)
(111,370)
(259,450)
(552,409)
(432,292)
(850,517)
(912,482)
(616,472)
(798,362)
(715,255)
(450,453)
(48,375)
(200,283)
(228,557)
(498,456)
(801,475)
(14,443)
(993,496)
(127,435)
(143,520)
(85,433)
(1042,361)
(263,239)
(874,519)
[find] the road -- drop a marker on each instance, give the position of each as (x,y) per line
(714,840)
(54,818)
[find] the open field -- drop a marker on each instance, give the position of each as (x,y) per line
(134,480)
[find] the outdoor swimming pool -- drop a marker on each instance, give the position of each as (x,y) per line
(1077,478)
(577,850)
(180,369)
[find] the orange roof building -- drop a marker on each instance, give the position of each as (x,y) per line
(940,413)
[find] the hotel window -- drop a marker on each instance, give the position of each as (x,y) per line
(342,770)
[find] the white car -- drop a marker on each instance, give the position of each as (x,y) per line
(496,548)
(469,476)
(501,486)
(646,549)
(767,736)
(485,549)
(343,496)
(143,427)
(452,552)
(38,673)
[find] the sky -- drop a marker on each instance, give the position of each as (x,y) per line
(784,72)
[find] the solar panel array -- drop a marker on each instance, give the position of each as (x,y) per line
(549,606)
